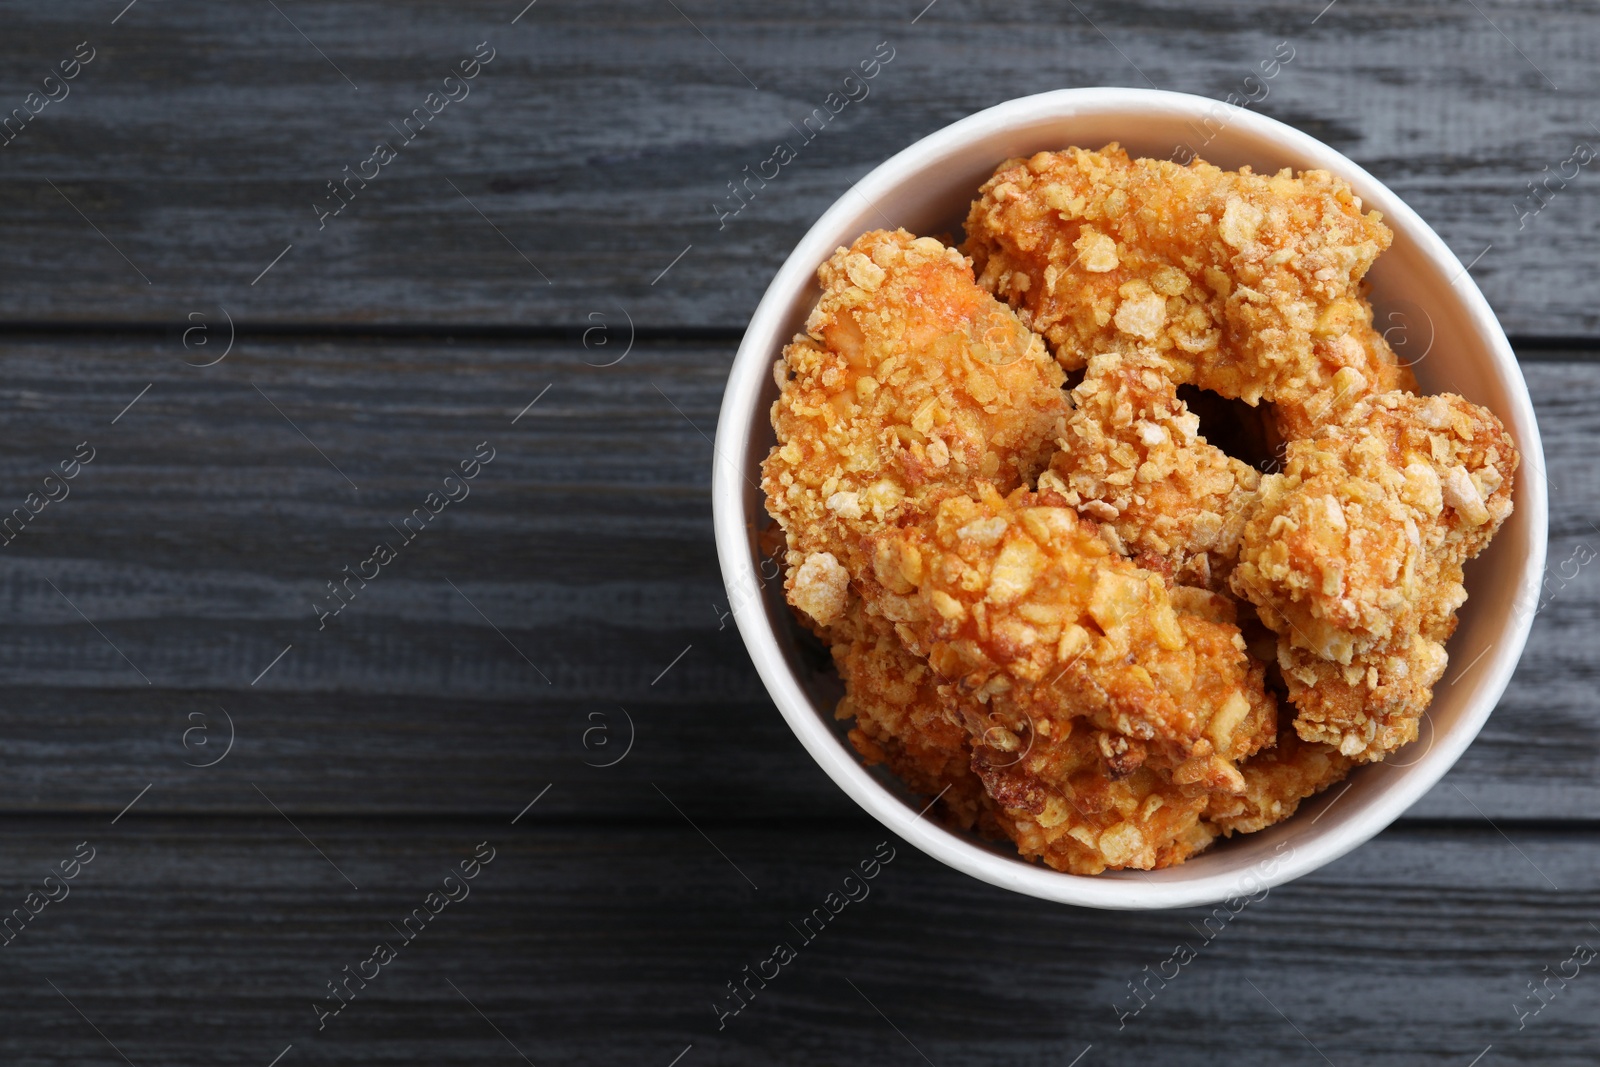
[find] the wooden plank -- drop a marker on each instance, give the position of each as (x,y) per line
(204,942)
(590,153)
(1542,737)
(206,527)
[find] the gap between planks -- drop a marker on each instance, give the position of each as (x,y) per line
(561,820)
(1553,349)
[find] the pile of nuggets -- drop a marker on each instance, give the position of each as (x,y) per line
(1054,604)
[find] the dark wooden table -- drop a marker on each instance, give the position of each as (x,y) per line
(540,275)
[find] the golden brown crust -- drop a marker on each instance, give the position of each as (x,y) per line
(1058,803)
(900,720)
(1367,365)
(910,383)
(1064,665)
(1133,458)
(1354,559)
(1025,607)
(1276,781)
(1242,283)
(1050,794)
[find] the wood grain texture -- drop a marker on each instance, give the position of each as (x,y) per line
(590,152)
(586,596)
(505,283)
(608,943)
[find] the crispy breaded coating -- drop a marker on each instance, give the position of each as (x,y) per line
(1354,559)
(1370,707)
(1070,794)
(1056,614)
(1058,803)
(1242,283)
(1050,794)
(900,719)
(1347,326)
(1276,780)
(1133,458)
(1257,728)
(910,383)
(1026,608)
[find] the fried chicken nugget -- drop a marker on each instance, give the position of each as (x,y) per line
(1057,803)
(1026,609)
(1276,781)
(1054,795)
(1244,284)
(1050,795)
(900,717)
(1132,457)
(1067,796)
(911,383)
(1354,559)
(1347,326)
